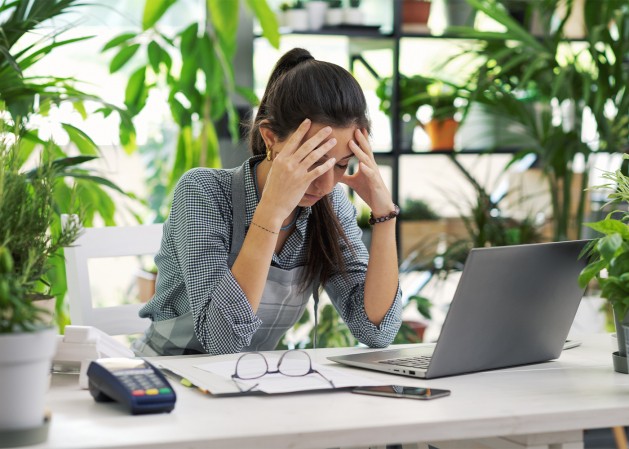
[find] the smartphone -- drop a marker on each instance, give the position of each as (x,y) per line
(400,391)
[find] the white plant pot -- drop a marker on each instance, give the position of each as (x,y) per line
(297,19)
(353,16)
(316,14)
(25,361)
(334,17)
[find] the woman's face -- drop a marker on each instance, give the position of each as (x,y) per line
(325,183)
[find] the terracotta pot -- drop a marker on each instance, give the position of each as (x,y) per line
(441,133)
(415,11)
(418,327)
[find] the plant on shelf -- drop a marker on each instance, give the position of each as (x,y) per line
(418,91)
(549,86)
(407,87)
(609,259)
(28,242)
(417,209)
(440,98)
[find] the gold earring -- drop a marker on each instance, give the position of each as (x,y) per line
(268,153)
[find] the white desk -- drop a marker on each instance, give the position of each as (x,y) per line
(546,403)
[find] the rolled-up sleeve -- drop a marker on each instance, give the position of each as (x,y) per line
(346,291)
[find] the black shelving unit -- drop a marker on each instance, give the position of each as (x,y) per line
(393,37)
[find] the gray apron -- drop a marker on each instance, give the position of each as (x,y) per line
(281,305)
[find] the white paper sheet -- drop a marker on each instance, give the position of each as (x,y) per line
(279,383)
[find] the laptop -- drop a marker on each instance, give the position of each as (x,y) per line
(514,305)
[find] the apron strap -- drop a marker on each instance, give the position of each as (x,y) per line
(239,214)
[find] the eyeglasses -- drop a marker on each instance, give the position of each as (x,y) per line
(254,365)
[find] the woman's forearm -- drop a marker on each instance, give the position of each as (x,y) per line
(251,267)
(381,281)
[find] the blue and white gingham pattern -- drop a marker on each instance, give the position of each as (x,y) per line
(194,273)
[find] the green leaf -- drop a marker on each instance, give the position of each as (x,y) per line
(608,245)
(72,161)
(189,38)
(208,62)
(122,57)
(180,114)
(611,226)
(248,94)
(154,10)
(79,107)
(120,39)
(155,55)
(82,141)
(590,271)
(136,93)
(267,19)
(212,155)
(166,59)
(224,14)
(96,180)
(619,265)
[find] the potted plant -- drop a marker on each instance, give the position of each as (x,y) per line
(27,243)
(408,89)
(415,14)
(334,13)
(440,98)
(352,15)
(609,260)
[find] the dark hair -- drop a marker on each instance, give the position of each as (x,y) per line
(301,87)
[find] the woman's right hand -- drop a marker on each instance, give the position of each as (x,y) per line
(295,167)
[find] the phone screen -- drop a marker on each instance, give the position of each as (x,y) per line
(400,391)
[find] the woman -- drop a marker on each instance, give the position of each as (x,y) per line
(244,249)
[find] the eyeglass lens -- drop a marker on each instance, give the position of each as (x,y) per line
(251,366)
(294,363)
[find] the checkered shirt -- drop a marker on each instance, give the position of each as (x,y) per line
(194,273)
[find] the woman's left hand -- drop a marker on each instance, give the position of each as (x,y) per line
(366,181)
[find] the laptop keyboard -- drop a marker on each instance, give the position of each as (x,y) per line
(412,362)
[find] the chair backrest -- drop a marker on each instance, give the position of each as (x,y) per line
(100,243)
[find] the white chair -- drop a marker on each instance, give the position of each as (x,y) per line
(100,243)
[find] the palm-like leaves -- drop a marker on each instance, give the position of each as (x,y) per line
(526,78)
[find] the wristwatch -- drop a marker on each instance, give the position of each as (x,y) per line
(373,220)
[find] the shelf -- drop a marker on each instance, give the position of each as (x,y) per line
(447,152)
(373,32)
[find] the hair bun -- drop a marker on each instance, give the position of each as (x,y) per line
(289,60)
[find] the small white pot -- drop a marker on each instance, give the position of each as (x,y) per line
(353,16)
(297,19)
(25,361)
(334,16)
(316,14)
